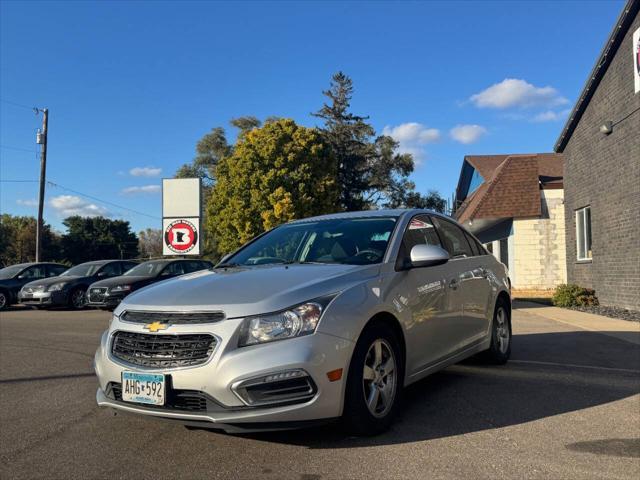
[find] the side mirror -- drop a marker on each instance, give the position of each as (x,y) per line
(428,256)
(102,274)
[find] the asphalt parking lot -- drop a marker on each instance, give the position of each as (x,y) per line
(567,406)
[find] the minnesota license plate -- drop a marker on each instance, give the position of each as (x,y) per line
(146,388)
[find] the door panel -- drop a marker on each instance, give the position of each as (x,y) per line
(475,293)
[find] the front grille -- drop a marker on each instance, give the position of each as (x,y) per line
(183,400)
(173,318)
(162,351)
(97,294)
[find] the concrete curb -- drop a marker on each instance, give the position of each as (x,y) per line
(621,329)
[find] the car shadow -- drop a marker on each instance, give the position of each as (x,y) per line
(551,374)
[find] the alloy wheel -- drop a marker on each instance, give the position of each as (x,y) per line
(379,378)
(3,301)
(503,334)
(77,299)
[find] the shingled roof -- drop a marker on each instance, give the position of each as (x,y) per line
(511,187)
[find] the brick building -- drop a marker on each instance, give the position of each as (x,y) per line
(514,205)
(600,144)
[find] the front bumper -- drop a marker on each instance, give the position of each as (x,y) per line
(109,300)
(229,365)
(59,297)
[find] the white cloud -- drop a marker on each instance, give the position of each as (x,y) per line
(68,205)
(550,116)
(412,137)
(467,134)
(27,203)
(514,92)
(141,189)
(145,171)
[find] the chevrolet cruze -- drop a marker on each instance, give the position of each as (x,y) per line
(323,318)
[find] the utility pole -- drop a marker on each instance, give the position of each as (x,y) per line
(42,140)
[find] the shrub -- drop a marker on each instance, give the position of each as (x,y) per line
(574,296)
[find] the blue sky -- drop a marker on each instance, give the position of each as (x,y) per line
(132,86)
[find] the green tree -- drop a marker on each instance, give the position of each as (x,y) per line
(371,171)
(97,238)
(18,240)
(276,173)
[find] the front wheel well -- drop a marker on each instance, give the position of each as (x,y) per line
(390,320)
(504,296)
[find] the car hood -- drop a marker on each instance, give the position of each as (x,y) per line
(244,291)
(51,280)
(121,280)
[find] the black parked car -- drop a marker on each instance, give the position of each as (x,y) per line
(14,277)
(71,286)
(107,294)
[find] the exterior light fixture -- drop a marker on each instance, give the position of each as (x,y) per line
(606,127)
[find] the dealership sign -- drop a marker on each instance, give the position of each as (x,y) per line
(181,214)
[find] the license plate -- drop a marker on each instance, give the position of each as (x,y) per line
(143,388)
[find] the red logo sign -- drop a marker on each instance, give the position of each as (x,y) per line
(181,236)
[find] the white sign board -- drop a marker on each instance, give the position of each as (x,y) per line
(181,207)
(636,59)
(181,197)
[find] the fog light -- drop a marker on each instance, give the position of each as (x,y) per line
(289,386)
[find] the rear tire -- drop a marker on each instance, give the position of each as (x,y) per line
(374,382)
(500,350)
(4,300)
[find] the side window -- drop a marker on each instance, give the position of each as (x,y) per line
(34,273)
(173,269)
(583,233)
(472,243)
(454,239)
(192,266)
(111,269)
(420,231)
(55,270)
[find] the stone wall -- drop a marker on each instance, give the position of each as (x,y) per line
(538,257)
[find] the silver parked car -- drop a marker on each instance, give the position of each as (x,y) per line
(323,318)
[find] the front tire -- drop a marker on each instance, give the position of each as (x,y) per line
(4,300)
(500,350)
(77,299)
(374,382)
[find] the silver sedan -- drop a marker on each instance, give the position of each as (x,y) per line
(323,318)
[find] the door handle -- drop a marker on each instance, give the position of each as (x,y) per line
(453,284)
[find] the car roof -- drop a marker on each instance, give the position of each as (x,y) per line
(395,213)
(101,262)
(29,264)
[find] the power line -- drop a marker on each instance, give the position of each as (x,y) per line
(106,202)
(15,104)
(8,147)
(18,181)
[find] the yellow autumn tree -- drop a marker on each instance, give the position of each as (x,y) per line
(277,173)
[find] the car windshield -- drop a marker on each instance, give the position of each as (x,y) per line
(354,241)
(9,272)
(82,270)
(146,269)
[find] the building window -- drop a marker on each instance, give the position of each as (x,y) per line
(504,251)
(476,181)
(583,233)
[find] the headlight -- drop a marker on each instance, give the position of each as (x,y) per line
(120,288)
(56,286)
(295,322)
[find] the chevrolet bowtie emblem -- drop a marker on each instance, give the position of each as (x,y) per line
(156,326)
